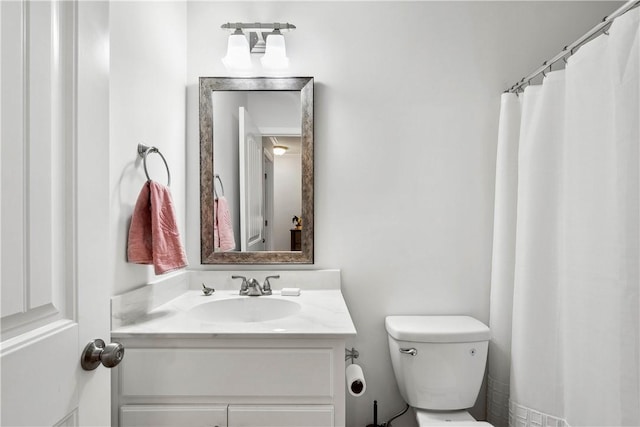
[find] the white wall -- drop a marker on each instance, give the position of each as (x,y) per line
(406,109)
(148,70)
(276,113)
(287,202)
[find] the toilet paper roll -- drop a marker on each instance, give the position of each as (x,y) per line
(355,380)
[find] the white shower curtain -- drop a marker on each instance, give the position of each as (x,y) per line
(565,283)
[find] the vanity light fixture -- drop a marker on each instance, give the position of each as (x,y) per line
(275,55)
(238,57)
(263,37)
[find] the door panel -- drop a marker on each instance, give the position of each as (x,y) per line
(251,184)
(13,180)
(33,165)
(26,382)
(268,200)
(54,122)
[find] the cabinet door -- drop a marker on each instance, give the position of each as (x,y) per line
(281,416)
(173,416)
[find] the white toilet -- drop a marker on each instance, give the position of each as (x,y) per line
(439,364)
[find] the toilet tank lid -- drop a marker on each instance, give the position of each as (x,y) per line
(437,328)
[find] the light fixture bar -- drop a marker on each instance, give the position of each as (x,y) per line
(258,26)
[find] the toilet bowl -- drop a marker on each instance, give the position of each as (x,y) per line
(439,364)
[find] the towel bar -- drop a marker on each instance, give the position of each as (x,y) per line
(144,151)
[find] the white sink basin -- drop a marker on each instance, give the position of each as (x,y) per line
(244,309)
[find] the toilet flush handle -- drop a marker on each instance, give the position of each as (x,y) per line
(411,351)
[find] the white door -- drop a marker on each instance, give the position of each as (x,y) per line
(251,184)
(53,211)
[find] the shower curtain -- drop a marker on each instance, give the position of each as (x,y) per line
(565,296)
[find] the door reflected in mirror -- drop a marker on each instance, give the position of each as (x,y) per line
(258,195)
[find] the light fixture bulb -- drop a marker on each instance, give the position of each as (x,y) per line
(275,56)
(238,57)
(279,150)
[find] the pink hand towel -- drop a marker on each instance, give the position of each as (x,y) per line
(223,236)
(153,235)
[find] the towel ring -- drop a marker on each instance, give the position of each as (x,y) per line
(215,191)
(144,151)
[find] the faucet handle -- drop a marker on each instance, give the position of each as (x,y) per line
(266,288)
(244,287)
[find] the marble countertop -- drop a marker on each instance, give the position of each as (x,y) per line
(323,314)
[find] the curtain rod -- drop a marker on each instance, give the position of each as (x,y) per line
(569,50)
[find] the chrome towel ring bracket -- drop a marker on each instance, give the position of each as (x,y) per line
(215,190)
(144,151)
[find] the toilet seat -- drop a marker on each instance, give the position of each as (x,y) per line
(447,419)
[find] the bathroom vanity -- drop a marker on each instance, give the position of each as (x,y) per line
(229,360)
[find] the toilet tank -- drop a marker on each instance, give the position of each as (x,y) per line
(438,361)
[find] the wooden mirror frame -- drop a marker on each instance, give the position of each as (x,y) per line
(207,86)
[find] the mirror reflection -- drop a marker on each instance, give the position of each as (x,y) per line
(256,170)
(257,159)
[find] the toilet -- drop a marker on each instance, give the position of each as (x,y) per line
(439,364)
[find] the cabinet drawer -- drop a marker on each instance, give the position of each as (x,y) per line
(281,416)
(173,416)
(217,372)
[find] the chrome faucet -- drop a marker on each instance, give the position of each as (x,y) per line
(252,288)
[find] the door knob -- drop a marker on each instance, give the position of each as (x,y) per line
(97,352)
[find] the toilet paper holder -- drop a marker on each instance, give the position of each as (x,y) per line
(351,354)
(356,383)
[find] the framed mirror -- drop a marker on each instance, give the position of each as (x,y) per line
(256,170)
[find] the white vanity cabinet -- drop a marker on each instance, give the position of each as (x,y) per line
(281,415)
(230,382)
